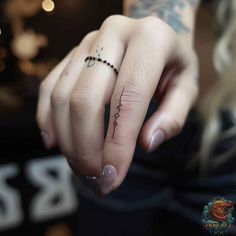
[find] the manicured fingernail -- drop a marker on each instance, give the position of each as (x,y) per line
(107,179)
(46,139)
(156,140)
(74,166)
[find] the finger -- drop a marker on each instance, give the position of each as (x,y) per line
(92,91)
(44,116)
(136,83)
(60,96)
(170,116)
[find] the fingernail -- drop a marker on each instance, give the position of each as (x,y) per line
(74,166)
(46,139)
(156,140)
(107,179)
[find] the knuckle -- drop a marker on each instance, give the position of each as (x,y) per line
(148,25)
(160,35)
(112,20)
(58,97)
(175,125)
(120,143)
(90,36)
(82,101)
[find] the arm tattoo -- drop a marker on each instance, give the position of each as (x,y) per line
(168,10)
(117,114)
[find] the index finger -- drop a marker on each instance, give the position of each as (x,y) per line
(137,81)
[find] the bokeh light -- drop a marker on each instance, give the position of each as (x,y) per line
(48,5)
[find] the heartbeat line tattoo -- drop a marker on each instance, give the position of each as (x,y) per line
(117,114)
(92,62)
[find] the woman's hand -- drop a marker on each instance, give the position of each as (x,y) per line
(153,62)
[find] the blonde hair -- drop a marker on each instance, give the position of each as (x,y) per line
(222,95)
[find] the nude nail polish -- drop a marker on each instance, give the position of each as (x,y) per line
(107,179)
(46,139)
(156,140)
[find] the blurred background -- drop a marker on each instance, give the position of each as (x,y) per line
(37,190)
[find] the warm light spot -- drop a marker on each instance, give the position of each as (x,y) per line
(48,5)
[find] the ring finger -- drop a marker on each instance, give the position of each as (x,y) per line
(60,97)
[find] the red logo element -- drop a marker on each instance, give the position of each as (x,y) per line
(220,209)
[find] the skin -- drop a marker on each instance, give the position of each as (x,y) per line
(161,66)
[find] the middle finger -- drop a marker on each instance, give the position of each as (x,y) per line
(91,92)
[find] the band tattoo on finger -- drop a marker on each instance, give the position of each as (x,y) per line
(98,52)
(92,62)
(117,114)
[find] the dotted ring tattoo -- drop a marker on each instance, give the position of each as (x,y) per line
(91,62)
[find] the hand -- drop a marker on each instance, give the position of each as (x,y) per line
(153,63)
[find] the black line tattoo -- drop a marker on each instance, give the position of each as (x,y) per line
(93,62)
(168,10)
(117,114)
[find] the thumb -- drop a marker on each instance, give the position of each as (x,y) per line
(168,120)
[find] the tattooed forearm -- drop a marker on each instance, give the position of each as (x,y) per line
(117,114)
(168,10)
